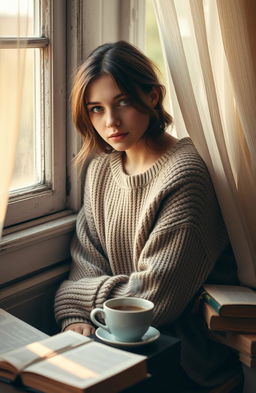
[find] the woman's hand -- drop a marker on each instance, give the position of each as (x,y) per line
(83,328)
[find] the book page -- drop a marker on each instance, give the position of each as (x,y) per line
(82,366)
(231,294)
(39,350)
(15,333)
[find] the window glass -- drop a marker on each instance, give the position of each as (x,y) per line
(20,19)
(28,24)
(29,158)
(152,40)
(153,47)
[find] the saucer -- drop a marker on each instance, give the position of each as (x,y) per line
(151,335)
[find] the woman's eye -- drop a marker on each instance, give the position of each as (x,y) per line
(96,109)
(124,102)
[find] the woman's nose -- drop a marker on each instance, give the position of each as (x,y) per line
(112,119)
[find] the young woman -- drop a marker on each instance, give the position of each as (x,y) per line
(150,225)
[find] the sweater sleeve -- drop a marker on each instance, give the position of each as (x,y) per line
(172,267)
(90,270)
(75,295)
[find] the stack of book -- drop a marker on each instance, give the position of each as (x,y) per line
(230,314)
(244,343)
(229,308)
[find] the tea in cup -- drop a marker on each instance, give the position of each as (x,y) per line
(126,318)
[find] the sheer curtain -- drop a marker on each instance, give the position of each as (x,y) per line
(11,84)
(210,49)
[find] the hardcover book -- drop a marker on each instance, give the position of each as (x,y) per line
(231,300)
(227,324)
(242,342)
(67,362)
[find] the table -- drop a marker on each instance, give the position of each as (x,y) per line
(162,360)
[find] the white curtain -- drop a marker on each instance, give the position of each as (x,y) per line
(210,49)
(11,83)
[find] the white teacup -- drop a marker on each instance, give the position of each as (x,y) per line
(127,318)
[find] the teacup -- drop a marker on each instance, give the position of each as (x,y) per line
(126,318)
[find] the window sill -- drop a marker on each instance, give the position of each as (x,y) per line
(32,249)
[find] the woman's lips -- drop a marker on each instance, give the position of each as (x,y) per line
(118,136)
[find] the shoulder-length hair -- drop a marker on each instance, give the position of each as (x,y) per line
(134,73)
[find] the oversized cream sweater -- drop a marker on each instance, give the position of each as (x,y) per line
(155,235)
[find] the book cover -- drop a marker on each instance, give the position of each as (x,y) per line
(216,322)
(231,300)
(247,360)
(242,342)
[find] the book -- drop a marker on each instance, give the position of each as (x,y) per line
(247,360)
(15,333)
(67,362)
(216,322)
(231,300)
(242,342)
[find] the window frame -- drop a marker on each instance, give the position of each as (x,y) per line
(42,244)
(50,197)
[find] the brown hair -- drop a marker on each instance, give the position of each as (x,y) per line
(133,73)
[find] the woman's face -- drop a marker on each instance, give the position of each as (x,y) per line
(114,118)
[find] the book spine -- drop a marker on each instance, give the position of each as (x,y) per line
(247,360)
(212,302)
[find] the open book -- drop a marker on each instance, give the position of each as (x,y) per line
(231,300)
(15,333)
(69,362)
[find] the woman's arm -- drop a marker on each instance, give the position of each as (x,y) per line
(172,267)
(74,296)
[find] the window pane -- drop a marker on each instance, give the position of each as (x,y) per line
(153,49)
(152,41)
(19,18)
(27,170)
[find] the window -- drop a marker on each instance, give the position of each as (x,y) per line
(38,185)
(152,40)
(60,36)
(153,48)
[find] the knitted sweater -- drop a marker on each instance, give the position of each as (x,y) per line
(155,235)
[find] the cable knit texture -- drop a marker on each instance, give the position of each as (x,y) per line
(155,235)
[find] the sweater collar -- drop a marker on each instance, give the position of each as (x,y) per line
(140,180)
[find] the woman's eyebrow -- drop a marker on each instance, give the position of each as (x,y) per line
(98,102)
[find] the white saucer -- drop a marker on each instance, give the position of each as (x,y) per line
(151,335)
